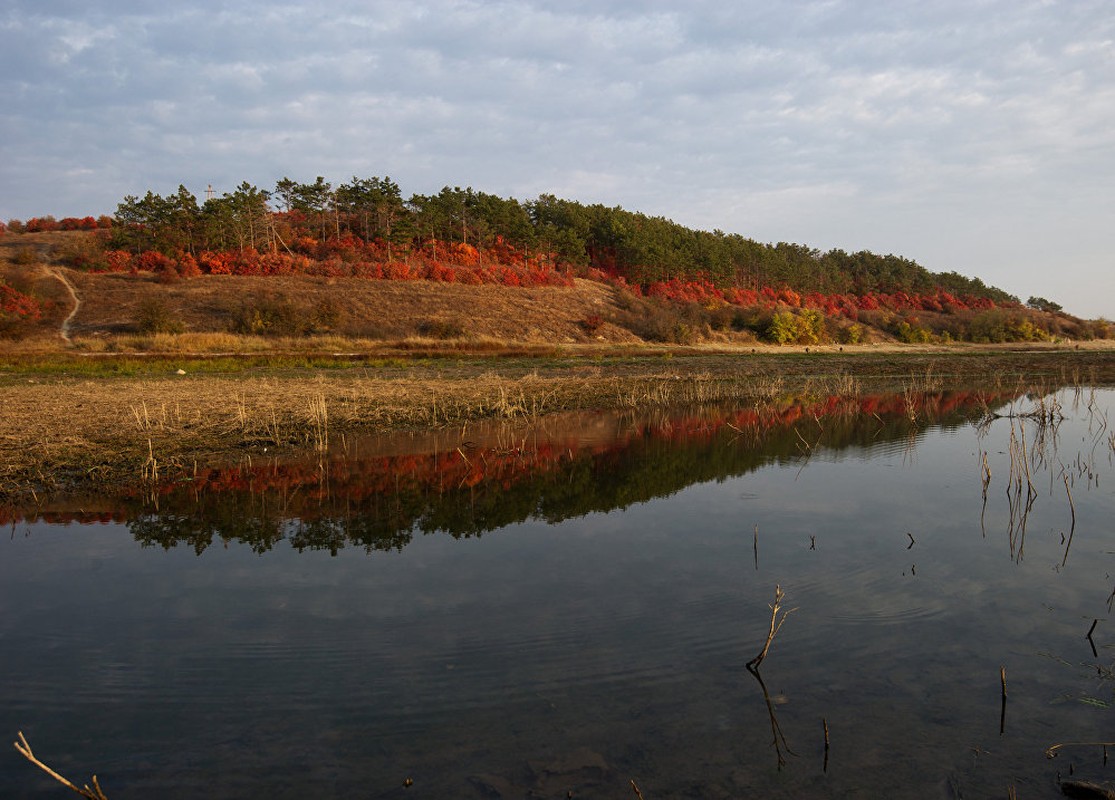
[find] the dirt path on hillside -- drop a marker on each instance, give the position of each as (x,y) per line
(64,330)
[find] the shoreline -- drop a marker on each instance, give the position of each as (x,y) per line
(64,430)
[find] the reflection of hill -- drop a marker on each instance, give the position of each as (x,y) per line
(378,503)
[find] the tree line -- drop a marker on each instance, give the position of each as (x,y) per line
(641,249)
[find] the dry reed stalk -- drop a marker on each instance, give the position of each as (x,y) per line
(1072,505)
(149,473)
(94,793)
(909,401)
(319,423)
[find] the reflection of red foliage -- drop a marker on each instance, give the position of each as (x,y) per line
(360,480)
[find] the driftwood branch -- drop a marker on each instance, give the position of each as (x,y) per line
(94,793)
(1051,751)
(776,623)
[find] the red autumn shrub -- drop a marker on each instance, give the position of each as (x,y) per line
(152,261)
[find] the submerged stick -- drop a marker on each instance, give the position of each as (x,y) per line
(1003,707)
(1072,529)
(92,794)
(825,725)
(775,626)
(1072,505)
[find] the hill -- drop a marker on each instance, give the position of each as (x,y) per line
(358,261)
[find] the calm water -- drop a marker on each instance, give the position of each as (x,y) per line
(503,612)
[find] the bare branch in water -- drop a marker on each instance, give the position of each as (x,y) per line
(776,623)
(94,793)
(1051,751)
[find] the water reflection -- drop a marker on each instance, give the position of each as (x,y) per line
(377,493)
(253,648)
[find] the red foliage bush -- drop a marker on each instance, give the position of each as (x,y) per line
(188,266)
(118,260)
(152,261)
(41,224)
(17,304)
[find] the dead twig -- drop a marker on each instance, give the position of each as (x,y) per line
(776,623)
(25,750)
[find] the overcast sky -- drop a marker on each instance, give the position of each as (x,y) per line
(968,135)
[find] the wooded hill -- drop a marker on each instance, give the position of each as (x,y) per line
(566,234)
(365,228)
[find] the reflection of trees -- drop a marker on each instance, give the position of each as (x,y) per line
(255,524)
(379,503)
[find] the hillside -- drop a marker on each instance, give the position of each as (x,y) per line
(414,286)
(116,304)
(580,311)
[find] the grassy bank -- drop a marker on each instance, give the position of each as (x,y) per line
(71,421)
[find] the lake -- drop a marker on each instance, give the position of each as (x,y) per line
(567,607)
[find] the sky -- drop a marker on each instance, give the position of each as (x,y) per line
(975,136)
